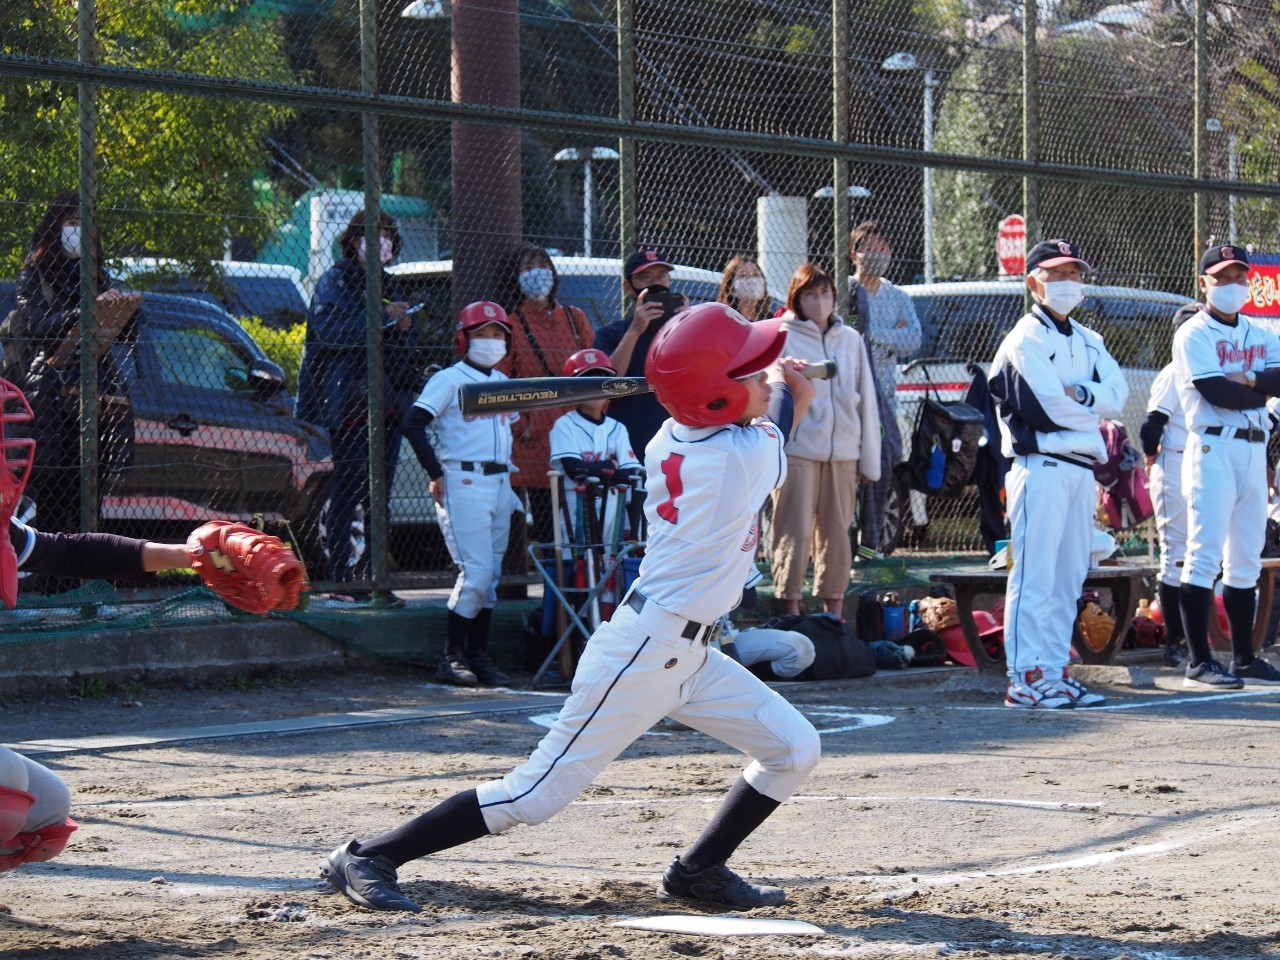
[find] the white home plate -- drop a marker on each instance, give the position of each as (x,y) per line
(724,926)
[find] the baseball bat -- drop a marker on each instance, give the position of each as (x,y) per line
(536,393)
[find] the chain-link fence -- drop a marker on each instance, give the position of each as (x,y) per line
(219,156)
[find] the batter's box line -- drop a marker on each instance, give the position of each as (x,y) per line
(1145,704)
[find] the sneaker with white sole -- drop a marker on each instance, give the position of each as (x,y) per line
(1081,696)
(1256,673)
(1211,675)
(1031,691)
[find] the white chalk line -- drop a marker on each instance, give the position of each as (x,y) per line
(1143,704)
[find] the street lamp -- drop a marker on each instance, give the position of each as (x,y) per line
(855,193)
(427,10)
(903,61)
(573,155)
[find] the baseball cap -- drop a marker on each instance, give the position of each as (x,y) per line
(646,257)
(1054,253)
(1215,258)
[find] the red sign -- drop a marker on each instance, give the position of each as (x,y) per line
(1011,246)
(1264,288)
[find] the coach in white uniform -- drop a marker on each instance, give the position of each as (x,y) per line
(1053,381)
(1226,368)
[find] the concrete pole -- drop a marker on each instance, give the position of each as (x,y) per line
(87,117)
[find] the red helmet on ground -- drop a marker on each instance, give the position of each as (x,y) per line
(476,315)
(697,355)
(16,454)
(593,362)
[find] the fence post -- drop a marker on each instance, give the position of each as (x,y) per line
(376,519)
(1200,116)
(1030,128)
(840,163)
(626,145)
(87,118)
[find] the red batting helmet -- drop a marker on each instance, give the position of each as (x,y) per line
(16,454)
(476,315)
(589,361)
(697,355)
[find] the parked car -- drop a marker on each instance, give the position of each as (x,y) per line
(269,291)
(963,324)
(215,435)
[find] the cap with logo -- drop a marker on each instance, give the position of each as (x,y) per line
(1054,253)
(642,260)
(1215,258)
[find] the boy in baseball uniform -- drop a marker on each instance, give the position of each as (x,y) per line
(471,485)
(1226,366)
(1053,381)
(710,466)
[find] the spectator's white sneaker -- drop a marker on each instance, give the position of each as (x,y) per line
(1031,691)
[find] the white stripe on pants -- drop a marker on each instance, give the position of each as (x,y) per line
(1051,506)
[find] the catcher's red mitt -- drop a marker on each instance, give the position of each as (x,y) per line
(247,568)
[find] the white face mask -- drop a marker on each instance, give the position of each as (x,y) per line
(71,240)
(536,282)
(749,288)
(1229,298)
(1063,296)
(386,250)
(485,351)
(817,307)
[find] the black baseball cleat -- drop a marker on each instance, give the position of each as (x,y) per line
(718,886)
(455,670)
(485,672)
(366,881)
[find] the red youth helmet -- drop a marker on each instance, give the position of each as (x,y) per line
(589,361)
(16,455)
(476,315)
(696,357)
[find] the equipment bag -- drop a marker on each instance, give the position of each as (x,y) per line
(1124,500)
(944,447)
(838,652)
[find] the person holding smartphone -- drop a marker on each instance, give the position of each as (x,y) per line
(646,276)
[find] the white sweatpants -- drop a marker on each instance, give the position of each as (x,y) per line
(636,670)
(476,522)
(1226,483)
(1171,513)
(788,652)
(1051,506)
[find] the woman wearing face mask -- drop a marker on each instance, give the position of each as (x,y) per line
(893,332)
(333,387)
(831,450)
(742,287)
(544,333)
(48,290)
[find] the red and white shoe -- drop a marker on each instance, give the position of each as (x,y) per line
(1031,691)
(1081,696)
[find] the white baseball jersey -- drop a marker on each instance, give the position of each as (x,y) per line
(1205,347)
(476,438)
(578,437)
(706,486)
(1166,399)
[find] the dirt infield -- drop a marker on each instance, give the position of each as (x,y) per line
(937,824)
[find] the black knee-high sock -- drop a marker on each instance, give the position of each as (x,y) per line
(478,635)
(456,630)
(1196,603)
(1241,604)
(452,823)
(744,808)
(1172,613)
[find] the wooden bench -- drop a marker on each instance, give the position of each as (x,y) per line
(1261,620)
(1123,583)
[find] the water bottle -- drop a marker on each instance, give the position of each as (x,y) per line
(937,466)
(895,627)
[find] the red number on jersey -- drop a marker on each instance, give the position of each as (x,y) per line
(668,510)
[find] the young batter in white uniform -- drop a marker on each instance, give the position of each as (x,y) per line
(471,485)
(1164,436)
(1226,368)
(1052,380)
(710,468)
(585,442)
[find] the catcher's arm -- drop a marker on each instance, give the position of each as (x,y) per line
(163,556)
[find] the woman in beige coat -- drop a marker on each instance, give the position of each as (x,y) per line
(831,450)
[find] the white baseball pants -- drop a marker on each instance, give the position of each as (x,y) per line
(1171,513)
(1226,479)
(475,520)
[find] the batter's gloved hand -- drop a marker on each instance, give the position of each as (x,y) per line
(247,568)
(1096,626)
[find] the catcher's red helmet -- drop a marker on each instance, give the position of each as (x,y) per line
(475,315)
(696,356)
(16,454)
(589,361)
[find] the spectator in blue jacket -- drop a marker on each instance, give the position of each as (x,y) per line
(333,387)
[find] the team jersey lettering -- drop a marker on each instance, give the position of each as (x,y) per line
(1228,352)
(668,510)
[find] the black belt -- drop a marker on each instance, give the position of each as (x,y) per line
(691,629)
(1252,434)
(487,467)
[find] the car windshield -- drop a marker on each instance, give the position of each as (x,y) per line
(966,327)
(1138,333)
(273,299)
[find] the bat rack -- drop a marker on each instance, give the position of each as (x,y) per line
(582,608)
